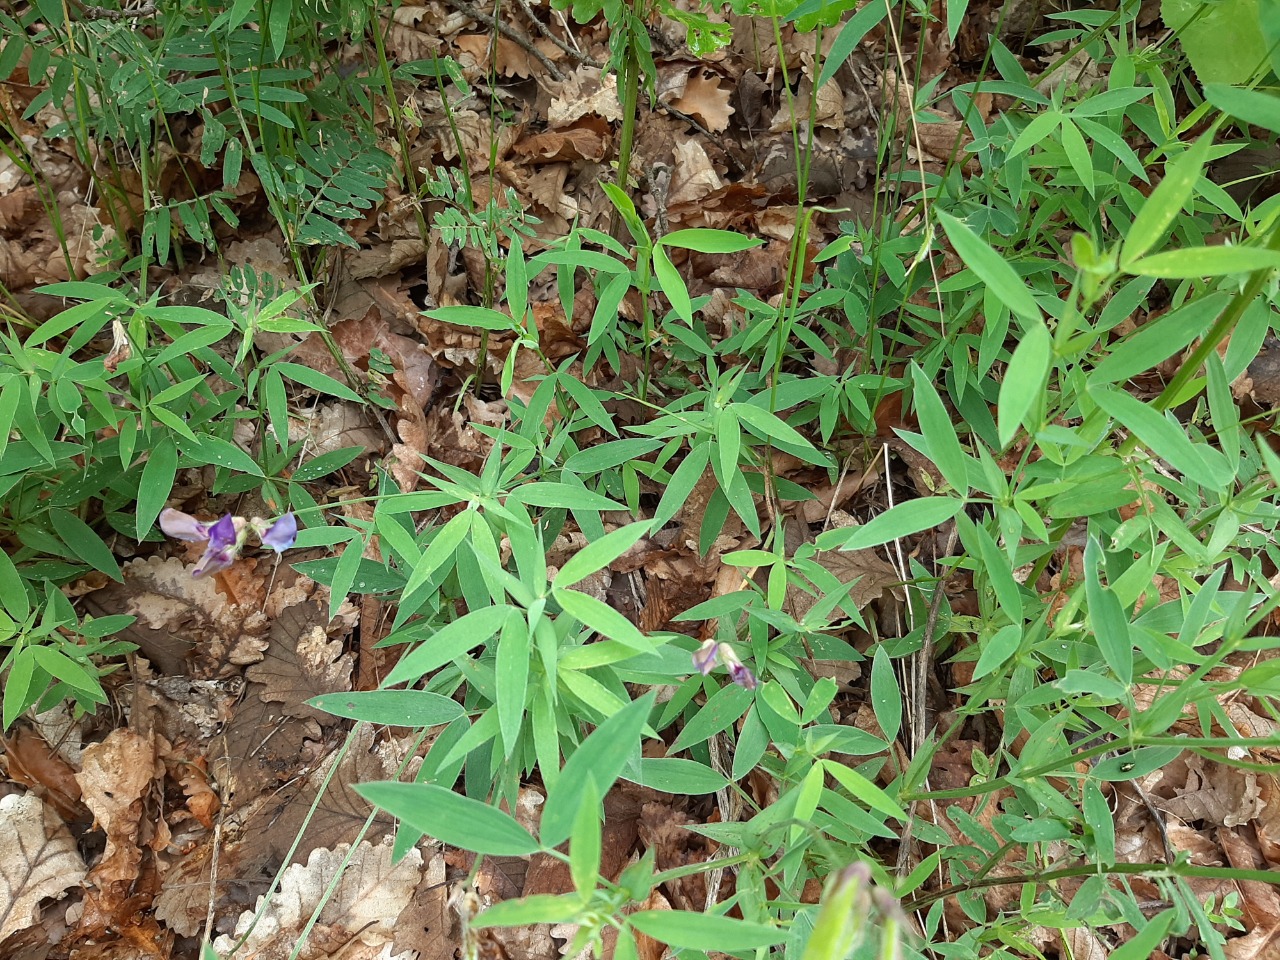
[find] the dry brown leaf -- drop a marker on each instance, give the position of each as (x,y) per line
(705,99)
(302,661)
(358,919)
(30,762)
(117,773)
(583,92)
(341,811)
(184,624)
(588,139)
(38,860)
(872,577)
(1193,788)
(426,924)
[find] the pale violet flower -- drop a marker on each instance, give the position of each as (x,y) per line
(226,537)
(710,653)
(280,535)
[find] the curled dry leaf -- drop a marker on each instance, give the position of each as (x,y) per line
(31,762)
(117,774)
(38,860)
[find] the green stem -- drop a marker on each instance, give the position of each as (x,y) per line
(1221,327)
(1155,870)
(630,108)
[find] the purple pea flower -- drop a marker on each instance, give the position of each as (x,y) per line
(738,671)
(183,526)
(704,658)
(278,536)
(226,537)
(710,653)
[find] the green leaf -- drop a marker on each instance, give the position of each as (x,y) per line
(219,452)
(768,425)
(900,521)
(1024,380)
(1106,616)
(157,480)
(1251,106)
(1078,154)
(537,908)
(602,618)
(997,649)
(13,592)
(1165,438)
(1166,201)
(935,425)
(1145,941)
(62,667)
(720,712)
(598,555)
(678,776)
(317,381)
(451,818)
(278,18)
(600,759)
(991,268)
(672,285)
(190,342)
(441,550)
(851,34)
(611,453)
(705,931)
(683,481)
(397,708)
(1159,339)
(18,686)
(448,643)
(467,316)
(585,842)
(548,493)
(344,574)
(511,675)
(864,790)
(85,543)
(325,464)
(1195,262)
(703,240)
(886,695)
(1221,39)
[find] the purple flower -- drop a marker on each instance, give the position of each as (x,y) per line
(738,671)
(226,537)
(183,526)
(704,658)
(710,653)
(281,534)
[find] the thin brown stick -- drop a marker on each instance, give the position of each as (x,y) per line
(543,29)
(515,36)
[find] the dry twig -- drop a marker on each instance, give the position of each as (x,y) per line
(515,36)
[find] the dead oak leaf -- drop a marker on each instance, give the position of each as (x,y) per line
(706,100)
(38,860)
(302,662)
(116,775)
(360,913)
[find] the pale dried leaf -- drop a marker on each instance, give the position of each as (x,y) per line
(117,773)
(705,99)
(38,859)
(363,908)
